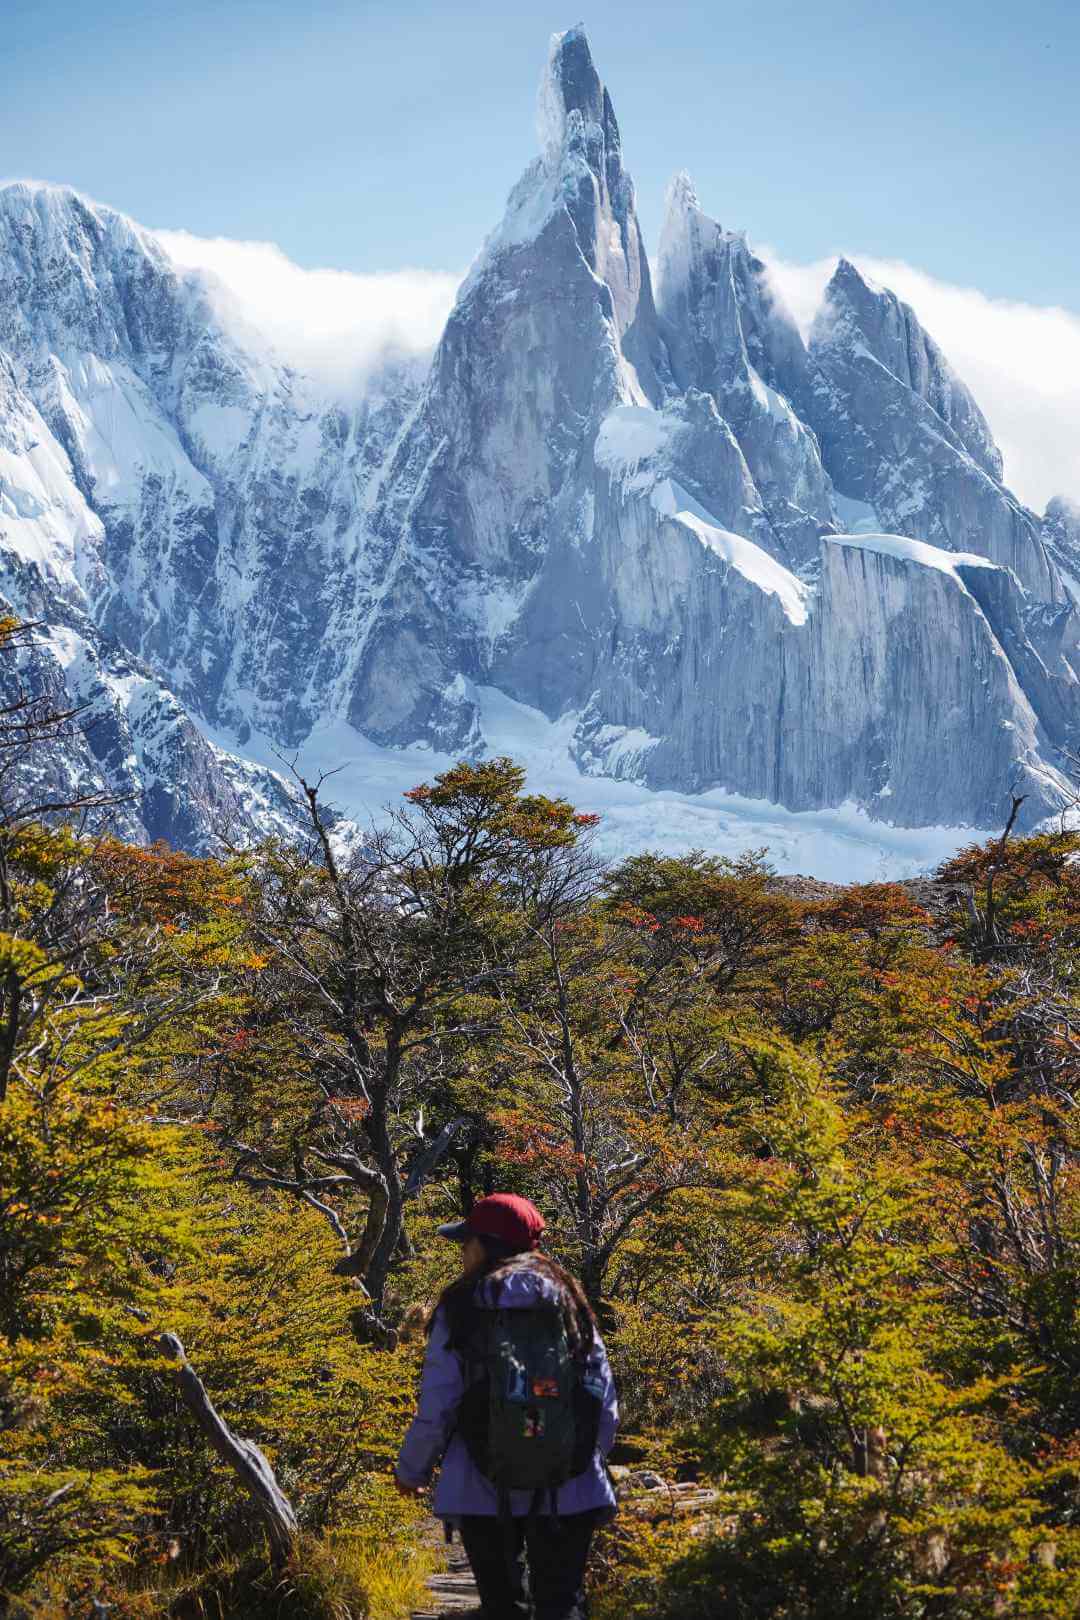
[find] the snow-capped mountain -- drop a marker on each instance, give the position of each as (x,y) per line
(719,556)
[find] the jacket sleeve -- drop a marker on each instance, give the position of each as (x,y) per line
(600,1369)
(442,1384)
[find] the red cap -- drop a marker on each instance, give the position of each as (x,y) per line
(501,1215)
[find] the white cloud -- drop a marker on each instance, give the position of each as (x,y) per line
(1021,361)
(332,323)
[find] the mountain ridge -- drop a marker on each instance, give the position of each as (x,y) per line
(599,500)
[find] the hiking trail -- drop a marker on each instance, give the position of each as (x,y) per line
(452,1589)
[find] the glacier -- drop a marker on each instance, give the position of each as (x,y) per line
(690,567)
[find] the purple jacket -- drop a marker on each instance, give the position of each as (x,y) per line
(432,1437)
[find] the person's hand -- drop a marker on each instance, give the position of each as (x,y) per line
(408,1490)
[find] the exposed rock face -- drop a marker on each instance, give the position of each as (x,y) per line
(598,502)
(1061,537)
(896,682)
(899,430)
(224,492)
(729,335)
(131,746)
(130,741)
(928,704)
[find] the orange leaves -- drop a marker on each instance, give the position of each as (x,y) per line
(165,885)
(871,908)
(636,917)
(530,1145)
(352,1109)
(648,922)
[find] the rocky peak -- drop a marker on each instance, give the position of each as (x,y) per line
(857,312)
(729,335)
(1063,515)
(1061,536)
(696,293)
(901,435)
(569,232)
(571,84)
(77,274)
(700,262)
(682,236)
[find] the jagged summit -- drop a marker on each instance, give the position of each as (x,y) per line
(681,196)
(1065,509)
(894,336)
(684,217)
(682,235)
(25,189)
(847,275)
(575,207)
(901,434)
(44,211)
(570,85)
(579,173)
(729,336)
(575,117)
(1061,534)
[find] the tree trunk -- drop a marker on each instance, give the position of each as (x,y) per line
(378,1133)
(243,1456)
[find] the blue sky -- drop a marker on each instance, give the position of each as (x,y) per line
(374,136)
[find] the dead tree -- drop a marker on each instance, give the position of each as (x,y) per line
(243,1456)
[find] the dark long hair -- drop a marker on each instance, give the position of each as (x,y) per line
(458,1299)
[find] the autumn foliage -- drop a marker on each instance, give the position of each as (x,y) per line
(814,1158)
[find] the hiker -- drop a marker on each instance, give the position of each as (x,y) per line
(518,1403)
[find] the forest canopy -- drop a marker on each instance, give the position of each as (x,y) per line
(812,1149)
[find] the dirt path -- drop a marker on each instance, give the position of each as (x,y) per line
(452,1589)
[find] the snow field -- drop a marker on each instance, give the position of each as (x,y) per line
(841,845)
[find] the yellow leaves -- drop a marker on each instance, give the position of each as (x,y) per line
(26,960)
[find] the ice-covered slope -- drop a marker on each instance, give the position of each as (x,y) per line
(130,741)
(228,492)
(131,748)
(623,513)
(843,843)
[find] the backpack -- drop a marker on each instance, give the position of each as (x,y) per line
(530,1414)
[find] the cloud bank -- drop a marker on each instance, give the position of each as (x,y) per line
(1021,361)
(332,323)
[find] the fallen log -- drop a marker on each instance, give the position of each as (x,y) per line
(243,1456)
